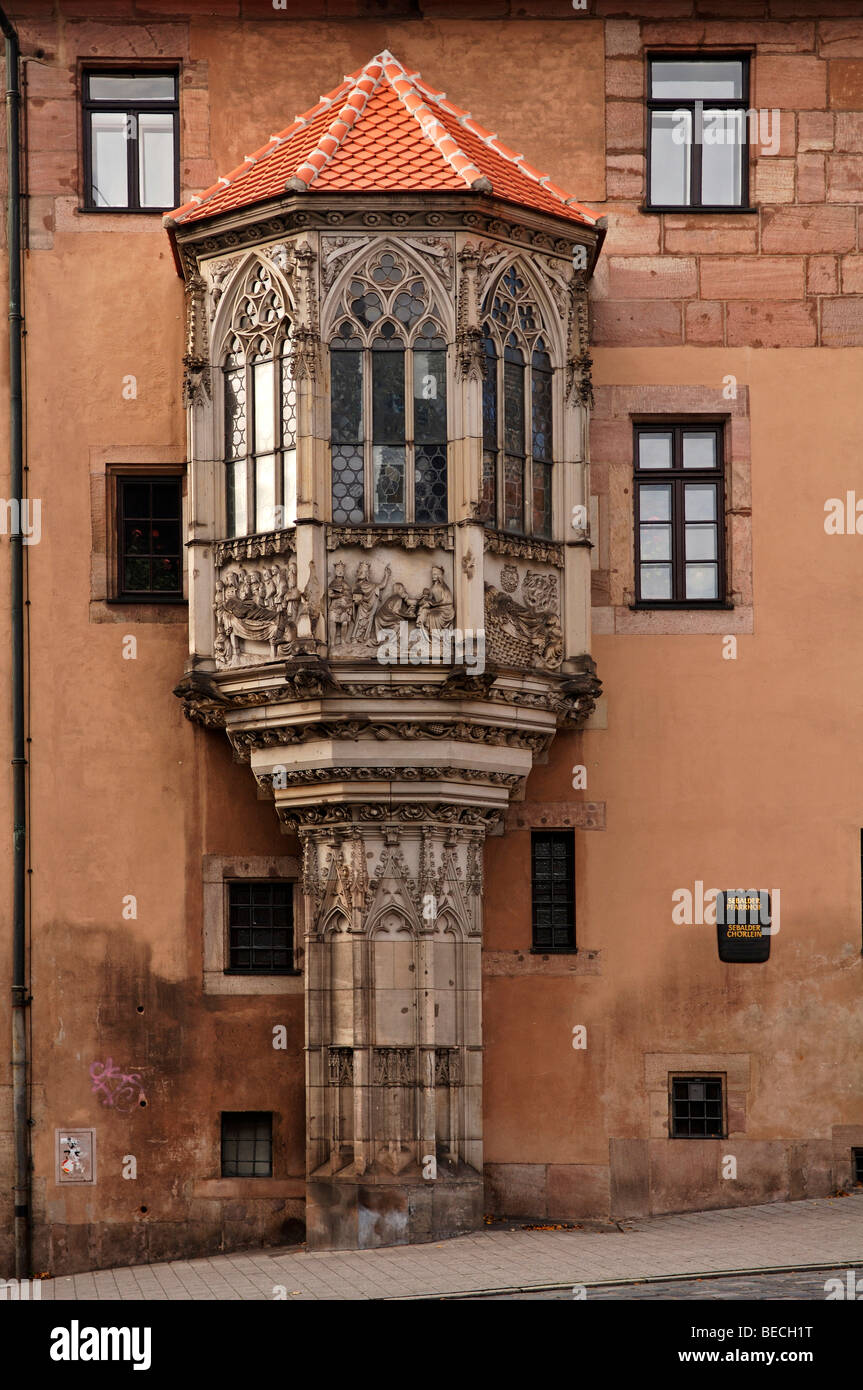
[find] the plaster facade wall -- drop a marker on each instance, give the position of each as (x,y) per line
(699,768)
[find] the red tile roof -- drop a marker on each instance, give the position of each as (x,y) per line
(383,130)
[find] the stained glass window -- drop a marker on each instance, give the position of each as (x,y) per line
(518,453)
(260,411)
(388,399)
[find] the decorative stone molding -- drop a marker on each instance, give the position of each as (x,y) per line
(524,548)
(468,732)
(200,240)
(257,547)
(313,776)
(346,814)
(404,537)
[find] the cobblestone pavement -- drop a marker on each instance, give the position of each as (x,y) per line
(820,1232)
(803,1284)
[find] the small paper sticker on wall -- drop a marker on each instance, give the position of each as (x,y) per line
(75,1155)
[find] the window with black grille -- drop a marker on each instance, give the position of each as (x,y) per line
(697,1110)
(260,928)
(247,1144)
(553,889)
(150,538)
(857,1164)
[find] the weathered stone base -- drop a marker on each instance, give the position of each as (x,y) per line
(346,1215)
(209,1228)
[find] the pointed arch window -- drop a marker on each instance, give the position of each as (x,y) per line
(517,411)
(388,399)
(260,412)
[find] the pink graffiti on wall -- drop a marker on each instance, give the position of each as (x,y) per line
(118,1089)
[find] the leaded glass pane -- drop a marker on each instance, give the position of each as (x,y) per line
(489,394)
(289,403)
(513,402)
(265,407)
(541,392)
(265,492)
(348,488)
(388,463)
(429,396)
(488,499)
(238,522)
(513,493)
(235,413)
(410,305)
(346,377)
(387,271)
(430,484)
(541,475)
(388,392)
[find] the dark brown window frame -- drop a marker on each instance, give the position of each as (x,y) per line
(677,476)
(123,67)
(695,1077)
(570,947)
(139,473)
(675,104)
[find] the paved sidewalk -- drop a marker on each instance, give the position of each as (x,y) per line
(826,1232)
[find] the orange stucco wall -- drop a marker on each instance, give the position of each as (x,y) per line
(723,771)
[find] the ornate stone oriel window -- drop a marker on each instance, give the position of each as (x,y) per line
(260,411)
(388,399)
(516,412)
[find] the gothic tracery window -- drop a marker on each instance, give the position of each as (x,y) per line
(260,411)
(388,398)
(516,412)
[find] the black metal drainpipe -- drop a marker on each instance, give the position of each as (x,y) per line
(20,997)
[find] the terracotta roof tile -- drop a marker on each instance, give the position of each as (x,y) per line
(383,129)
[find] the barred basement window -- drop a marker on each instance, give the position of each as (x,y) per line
(697,1109)
(260,928)
(553,890)
(149,538)
(260,411)
(516,413)
(247,1144)
(857,1165)
(388,414)
(679,515)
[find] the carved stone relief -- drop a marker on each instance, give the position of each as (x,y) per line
(262,615)
(366,604)
(522,618)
